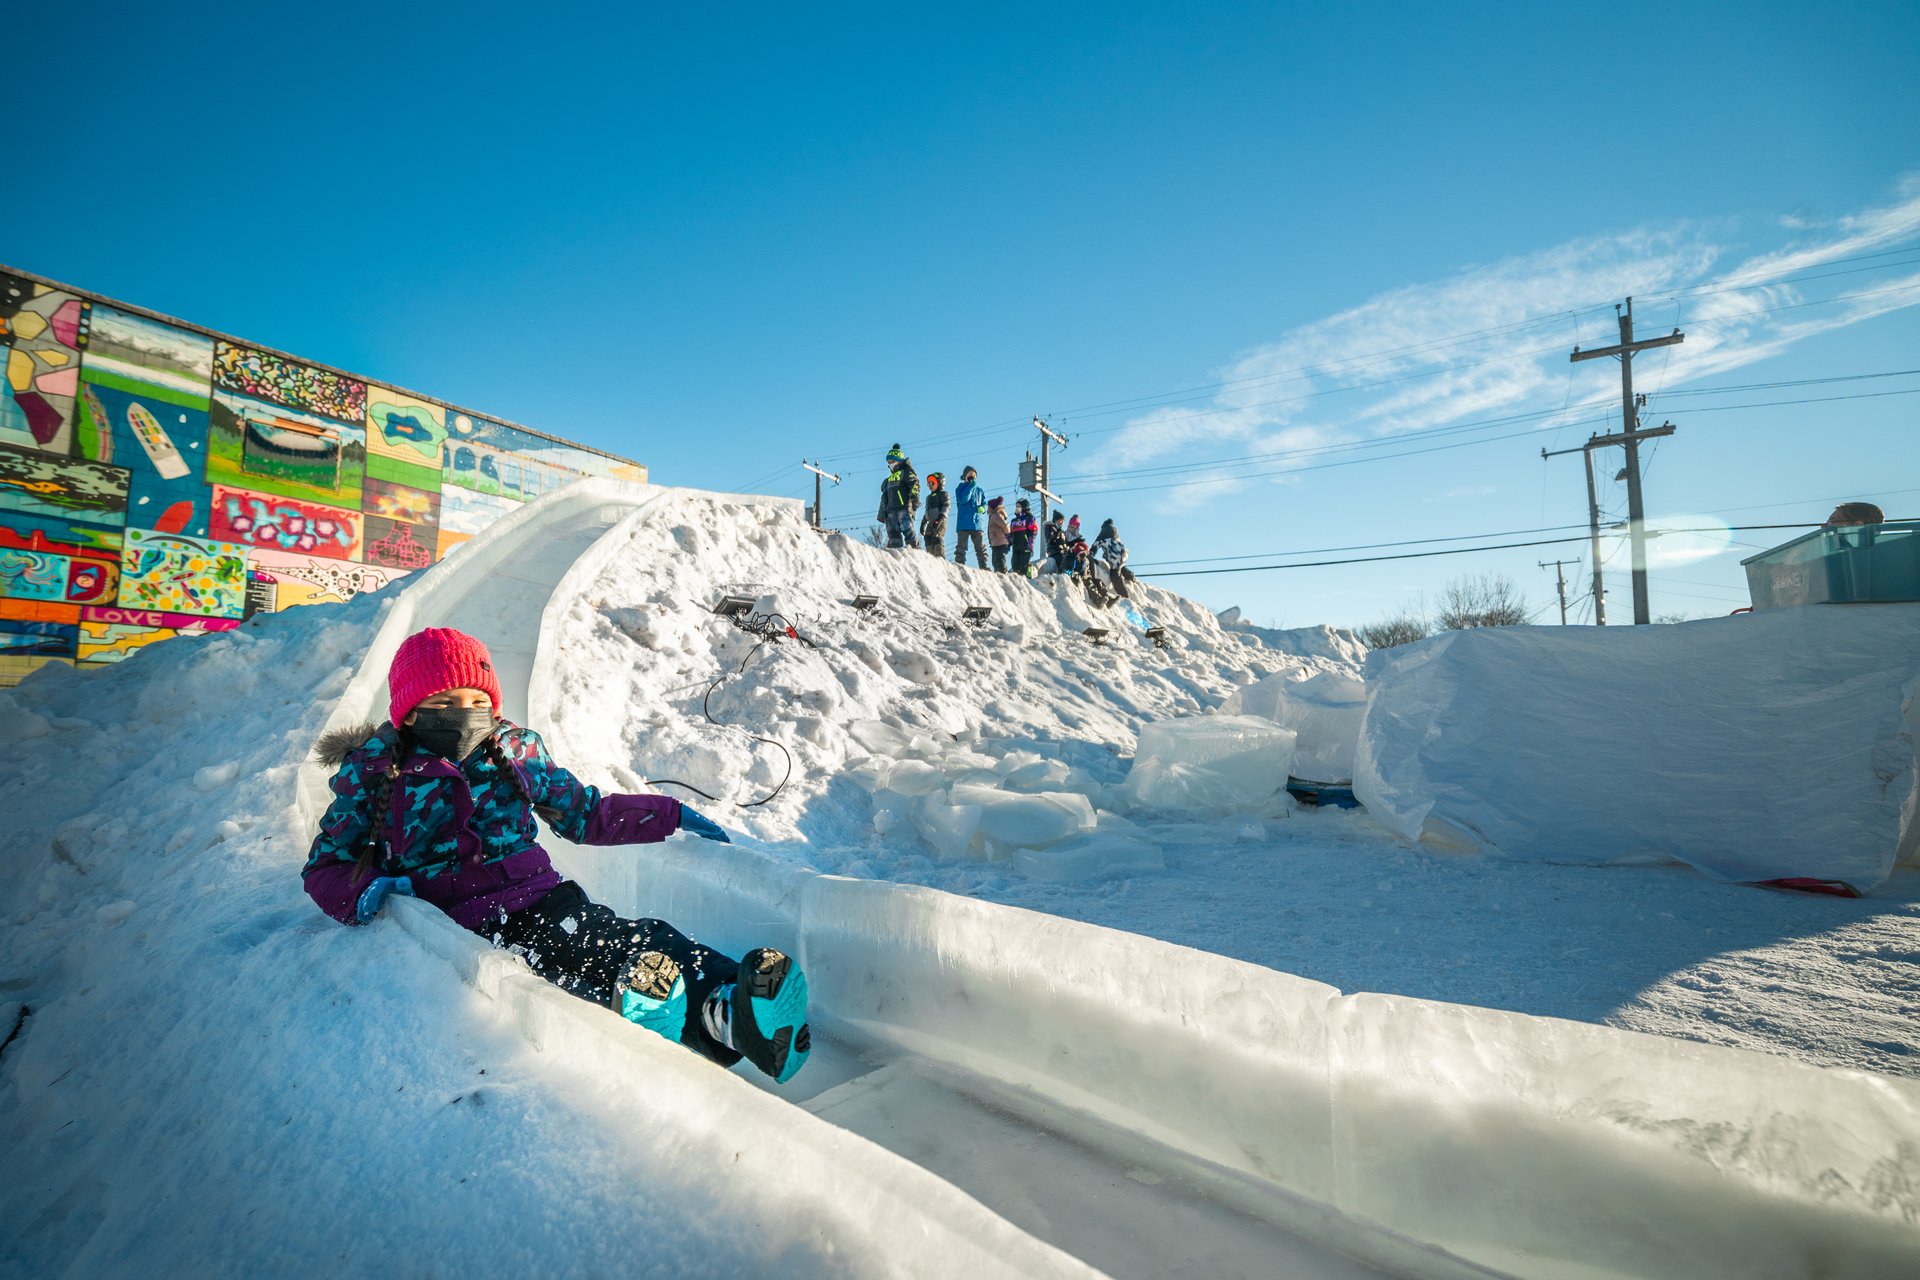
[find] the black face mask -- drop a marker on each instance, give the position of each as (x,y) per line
(452,732)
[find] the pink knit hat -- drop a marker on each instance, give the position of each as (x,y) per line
(433,661)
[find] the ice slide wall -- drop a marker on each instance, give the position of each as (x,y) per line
(1533,1145)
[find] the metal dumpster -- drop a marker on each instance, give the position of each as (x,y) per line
(1843,564)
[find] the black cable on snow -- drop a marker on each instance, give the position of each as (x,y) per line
(764,626)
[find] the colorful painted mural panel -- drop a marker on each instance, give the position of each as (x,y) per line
(464,511)
(164,508)
(400,502)
(266,376)
(148,429)
(176,574)
(400,545)
(101,642)
(92,581)
(22,532)
(285,524)
(40,331)
(37,639)
(133,348)
(305,579)
(404,429)
(40,484)
(33,575)
(155,618)
(259,446)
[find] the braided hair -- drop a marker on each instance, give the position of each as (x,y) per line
(374,851)
(496,752)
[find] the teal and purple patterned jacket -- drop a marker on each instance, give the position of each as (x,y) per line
(464,833)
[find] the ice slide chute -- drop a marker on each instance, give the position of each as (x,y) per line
(1064,1095)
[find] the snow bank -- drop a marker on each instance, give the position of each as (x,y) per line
(1766,745)
(1324,710)
(1335,647)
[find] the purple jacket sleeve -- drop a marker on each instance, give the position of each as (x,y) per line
(331,886)
(632,819)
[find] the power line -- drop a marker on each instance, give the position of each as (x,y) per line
(1364,546)
(1455,551)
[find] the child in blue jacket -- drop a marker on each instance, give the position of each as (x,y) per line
(970,516)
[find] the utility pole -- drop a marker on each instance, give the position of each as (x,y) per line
(1631,436)
(1047,437)
(817,474)
(1593,531)
(1560,582)
(1593,507)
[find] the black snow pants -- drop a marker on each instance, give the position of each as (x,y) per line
(590,958)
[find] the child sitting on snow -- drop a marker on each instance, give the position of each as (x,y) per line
(438,803)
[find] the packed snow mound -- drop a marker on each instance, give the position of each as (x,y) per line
(1327,647)
(1324,710)
(1768,745)
(1212,765)
(972,741)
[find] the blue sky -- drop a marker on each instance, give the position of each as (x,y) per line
(1219,237)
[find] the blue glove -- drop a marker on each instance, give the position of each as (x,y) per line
(705,828)
(376,893)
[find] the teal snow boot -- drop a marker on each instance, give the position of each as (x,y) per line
(763,1013)
(654,995)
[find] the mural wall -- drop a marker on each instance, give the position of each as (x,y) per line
(157,480)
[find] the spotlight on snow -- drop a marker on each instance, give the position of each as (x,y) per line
(1158,635)
(1095,634)
(976,613)
(734,606)
(864,603)
(1676,541)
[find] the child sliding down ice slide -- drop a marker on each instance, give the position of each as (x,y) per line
(438,803)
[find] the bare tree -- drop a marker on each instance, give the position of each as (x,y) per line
(1486,600)
(877,536)
(1402,628)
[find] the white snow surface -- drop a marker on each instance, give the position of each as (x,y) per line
(1326,648)
(1766,745)
(216,1079)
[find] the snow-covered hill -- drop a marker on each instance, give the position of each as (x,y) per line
(214,1078)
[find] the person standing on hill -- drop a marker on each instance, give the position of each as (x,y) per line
(970,504)
(933,525)
(997,533)
(1020,534)
(438,804)
(1113,553)
(899,499)
(1056,544)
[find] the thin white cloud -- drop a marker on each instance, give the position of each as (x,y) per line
(1492,341)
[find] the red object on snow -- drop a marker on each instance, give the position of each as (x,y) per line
(1808,884)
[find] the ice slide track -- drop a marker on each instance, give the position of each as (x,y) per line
(1064,1099)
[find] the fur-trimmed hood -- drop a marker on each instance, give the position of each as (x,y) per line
(335,745)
